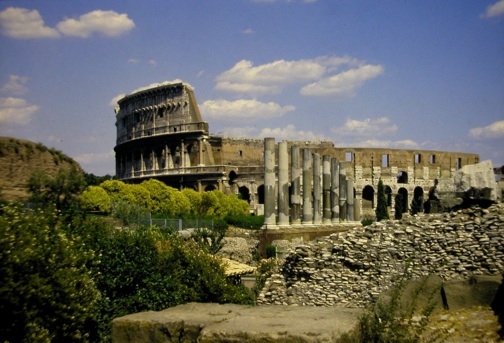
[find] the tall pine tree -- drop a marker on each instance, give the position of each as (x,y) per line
(381,207)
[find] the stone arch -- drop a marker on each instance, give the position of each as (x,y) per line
(232,177)
(402,177)
(260,194)
(388,195)
(418,198)
(210,188)
(368,197)
(244,193)
(404,194)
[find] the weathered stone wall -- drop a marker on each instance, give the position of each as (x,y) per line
(352,268)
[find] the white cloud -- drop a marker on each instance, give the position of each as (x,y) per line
(494,10)
(494,130)
(16,111)
(343,84)
(289,132)
(15,85)
(273,77)
(248,31)
(133,60)
(22,23)
(152,62)
(242,109)
(365,128)
(95,158)
(270,77)
(109,23)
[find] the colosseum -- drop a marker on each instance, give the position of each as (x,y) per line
(161,135)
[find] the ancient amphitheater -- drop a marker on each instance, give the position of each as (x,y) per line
(161,134)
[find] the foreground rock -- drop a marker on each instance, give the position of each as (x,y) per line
(471,184)
(197,322)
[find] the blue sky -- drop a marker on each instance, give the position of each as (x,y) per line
(415,74)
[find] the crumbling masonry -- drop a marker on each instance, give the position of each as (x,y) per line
(161,135)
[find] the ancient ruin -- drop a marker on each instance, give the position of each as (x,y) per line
(161,134)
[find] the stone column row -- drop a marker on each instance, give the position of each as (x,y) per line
(328,197)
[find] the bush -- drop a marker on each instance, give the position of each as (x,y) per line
(95,198)
(46,290)
(367,221)
(145,269)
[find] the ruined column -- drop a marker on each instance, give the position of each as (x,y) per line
(326,189)
(317,218)
(295,186)
(334,190)
(269,182)
(358,205)
(307,187)
(283,184)
(343,191)
(350,200)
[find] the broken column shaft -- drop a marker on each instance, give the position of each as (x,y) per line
(307,187)
(283,184)
(295,186)
(269,182)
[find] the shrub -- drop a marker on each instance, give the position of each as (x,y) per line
(46,290)
(367,221)
(95,198)
(271,251)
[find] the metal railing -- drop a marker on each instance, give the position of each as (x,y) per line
(182,224)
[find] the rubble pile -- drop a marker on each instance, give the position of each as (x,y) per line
(352,268)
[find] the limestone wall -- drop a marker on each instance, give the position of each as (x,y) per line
(352,268)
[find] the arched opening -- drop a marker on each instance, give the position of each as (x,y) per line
(244,193)
(232,177)
(388,195)
(402,177)
(403,199)
(210,188)
(368,197)
(417,205)
(260,194)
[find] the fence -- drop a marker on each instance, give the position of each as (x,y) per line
(182,224)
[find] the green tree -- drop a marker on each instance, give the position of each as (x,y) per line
(62,190)
(381,207)
(237,206)
(95,198)
(194,199)
(46,291)
(118,191)
(209,203)
(398,207)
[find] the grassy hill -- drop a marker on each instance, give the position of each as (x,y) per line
(19,158)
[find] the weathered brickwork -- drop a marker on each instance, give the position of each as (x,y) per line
(161,134)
